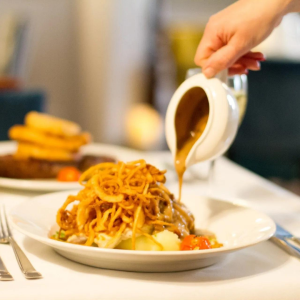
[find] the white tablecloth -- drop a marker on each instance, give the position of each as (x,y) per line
(261,272)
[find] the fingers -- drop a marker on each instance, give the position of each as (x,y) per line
(208,46)
(237,70)
(213,56)
(255,55)
(248,63)
(222,59)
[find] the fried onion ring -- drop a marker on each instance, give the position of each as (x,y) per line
(52,125)
(30,135)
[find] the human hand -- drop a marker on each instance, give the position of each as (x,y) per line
(233,32)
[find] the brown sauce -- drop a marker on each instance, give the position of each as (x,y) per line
(177,214)
(190,121)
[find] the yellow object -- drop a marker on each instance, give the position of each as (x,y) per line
(31,135)
(168,240)
(48,138)
(184,43)
(25,151)
(52,125)
(144,127)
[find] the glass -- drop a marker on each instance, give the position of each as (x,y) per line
(239,87)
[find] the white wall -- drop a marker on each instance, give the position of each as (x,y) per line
(90,57)
(196,12)
(113,49)
(52,50)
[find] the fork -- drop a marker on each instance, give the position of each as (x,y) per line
(4,274)
(7,238)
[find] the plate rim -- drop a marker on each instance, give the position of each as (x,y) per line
(50,242)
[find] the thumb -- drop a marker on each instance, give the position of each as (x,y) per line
(222,59)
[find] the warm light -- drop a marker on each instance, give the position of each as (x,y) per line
(144,127)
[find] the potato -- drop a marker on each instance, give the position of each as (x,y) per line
(167,239)
(141,243)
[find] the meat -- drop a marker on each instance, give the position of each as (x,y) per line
(91,160)
(12,167)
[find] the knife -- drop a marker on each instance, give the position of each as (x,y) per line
(286,241)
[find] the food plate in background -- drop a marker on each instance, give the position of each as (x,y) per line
(116,152)
(235,226)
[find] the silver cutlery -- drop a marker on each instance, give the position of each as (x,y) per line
(287,241)
(4,274)
(7,238)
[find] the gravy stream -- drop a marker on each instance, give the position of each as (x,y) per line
(190,121)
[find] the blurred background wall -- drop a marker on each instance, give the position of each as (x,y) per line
(91,56)
(113,65)
(49,56)
(113,43)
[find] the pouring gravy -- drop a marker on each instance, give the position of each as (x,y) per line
(190,122)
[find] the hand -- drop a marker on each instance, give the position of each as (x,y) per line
(233,32)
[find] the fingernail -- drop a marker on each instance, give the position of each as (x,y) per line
(209,72)
(258,65)
(264,58)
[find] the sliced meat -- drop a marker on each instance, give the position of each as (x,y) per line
(91,160)
(11,167)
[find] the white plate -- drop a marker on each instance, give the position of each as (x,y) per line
(119,153)
(236,226)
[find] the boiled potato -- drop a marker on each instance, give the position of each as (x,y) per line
(167,239)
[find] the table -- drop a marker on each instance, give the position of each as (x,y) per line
(263,271)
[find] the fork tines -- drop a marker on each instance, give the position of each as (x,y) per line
(7,237)
(4,274)
(4,227)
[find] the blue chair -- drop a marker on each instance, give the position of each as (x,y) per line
(14,105)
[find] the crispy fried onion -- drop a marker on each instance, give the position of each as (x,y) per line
(123,196)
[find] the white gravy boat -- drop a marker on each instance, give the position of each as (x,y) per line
(222,123)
